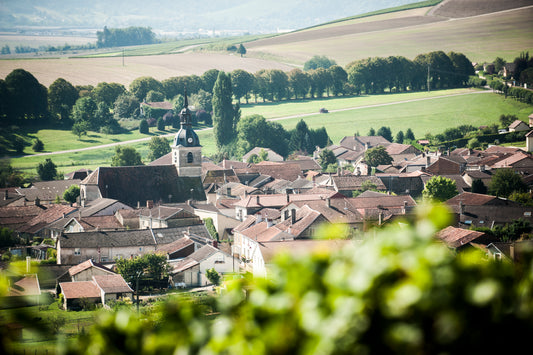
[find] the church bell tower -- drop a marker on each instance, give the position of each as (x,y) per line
(186,148)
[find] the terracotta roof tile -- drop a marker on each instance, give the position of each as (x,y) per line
(79,289)
(112,283)
(456,237)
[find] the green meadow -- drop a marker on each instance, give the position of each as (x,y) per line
(423,112)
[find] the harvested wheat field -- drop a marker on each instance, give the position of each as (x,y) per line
(83,71)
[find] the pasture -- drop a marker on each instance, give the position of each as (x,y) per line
(422,112)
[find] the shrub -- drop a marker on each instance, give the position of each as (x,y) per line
(161,124)
(38,145)
(143,127)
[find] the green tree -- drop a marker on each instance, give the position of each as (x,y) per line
(506,181)
(320,80)
(377,156)
(62,96)
(499,63)
(439,188)
(108,92)
(318,61)
(71,194)
(339,78)
(10,176)
(208,80)
(385,132)
(300,139)
(38,145)
(371,132)
(409,135)
(399,137)
(158,146)
(326,158)
(141,86)
(242,83)
(213,276)
(126,106)
(256,131)
(478,187)
(161,124)
(154,266)
(126,156)
(154,96)
(241,50)
(506,120)
(143,127)
(47,170)
(84,110)
(28,99)
(299,83)
(80,128)
(223,111)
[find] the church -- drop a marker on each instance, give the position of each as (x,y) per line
(138,185)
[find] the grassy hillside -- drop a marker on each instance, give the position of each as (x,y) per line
(422,112)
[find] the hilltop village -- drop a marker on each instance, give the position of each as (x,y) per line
(234,216)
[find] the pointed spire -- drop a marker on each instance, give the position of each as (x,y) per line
(186,104)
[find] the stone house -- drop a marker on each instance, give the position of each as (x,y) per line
(167,217)
(100,290)
(105,246)
(191,271)
(518,126)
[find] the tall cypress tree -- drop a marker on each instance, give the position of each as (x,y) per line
(223,112)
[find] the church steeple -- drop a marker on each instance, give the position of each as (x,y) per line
(186,149)
(186,136)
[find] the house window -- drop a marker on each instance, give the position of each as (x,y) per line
(190,158)
(220,259)
(77,251)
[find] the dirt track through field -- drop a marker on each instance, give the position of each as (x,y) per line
(109,145)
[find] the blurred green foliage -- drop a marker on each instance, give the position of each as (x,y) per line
(399,292)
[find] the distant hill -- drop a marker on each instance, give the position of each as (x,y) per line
(180,16)
(481,29)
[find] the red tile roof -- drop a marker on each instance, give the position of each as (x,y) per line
(112,283)
(27,286)
(79,289)
(456,237)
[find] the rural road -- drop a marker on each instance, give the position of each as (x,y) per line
(271,119)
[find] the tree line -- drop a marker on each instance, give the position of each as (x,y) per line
(129,36)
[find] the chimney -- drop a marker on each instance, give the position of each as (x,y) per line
(215,243)
(228,191)
(293,216)
(37,201)
(328,202)
(5,194)
(428,161)
(380,218)
(149,204)
(461,207)
(257,199)
(288,199)
(404,207)
(138,204)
